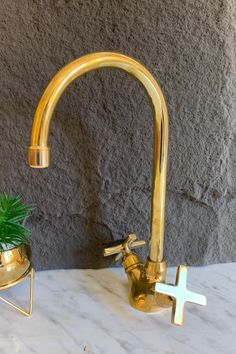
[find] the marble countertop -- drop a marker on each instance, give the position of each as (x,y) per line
(87,312)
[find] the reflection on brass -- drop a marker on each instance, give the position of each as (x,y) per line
(142,277)
(14,268)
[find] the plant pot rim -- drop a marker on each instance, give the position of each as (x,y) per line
(14,247)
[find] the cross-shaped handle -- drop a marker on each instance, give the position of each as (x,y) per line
(124,247)
(180,294)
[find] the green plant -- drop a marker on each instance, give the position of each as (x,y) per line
(13,213)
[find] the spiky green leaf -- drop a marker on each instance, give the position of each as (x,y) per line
(13,212)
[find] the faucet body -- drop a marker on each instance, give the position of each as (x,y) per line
(142,281)
(142,276)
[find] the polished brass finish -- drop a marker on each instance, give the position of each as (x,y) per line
(142,277)
(14,263)
(180,294)
(39,156)
(30,273)
(124,248)
(38,152)
(14,268)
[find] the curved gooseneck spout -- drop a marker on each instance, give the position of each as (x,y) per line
(38,153)
(148,291)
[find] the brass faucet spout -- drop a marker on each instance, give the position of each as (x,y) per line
(38,152)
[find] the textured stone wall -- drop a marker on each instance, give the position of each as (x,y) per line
(98,187)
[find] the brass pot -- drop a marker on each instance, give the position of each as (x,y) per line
(14,263)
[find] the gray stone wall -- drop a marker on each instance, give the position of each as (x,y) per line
(98,187)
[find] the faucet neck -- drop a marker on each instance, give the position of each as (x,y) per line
(39,151)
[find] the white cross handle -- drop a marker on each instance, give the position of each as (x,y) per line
(180,294)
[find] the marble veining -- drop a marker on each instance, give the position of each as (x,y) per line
(87,312)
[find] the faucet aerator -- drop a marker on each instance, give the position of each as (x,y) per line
(38,156)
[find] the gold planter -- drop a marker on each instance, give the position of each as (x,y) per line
(14,263)
(15,266)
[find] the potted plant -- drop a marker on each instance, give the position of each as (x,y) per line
(14,236)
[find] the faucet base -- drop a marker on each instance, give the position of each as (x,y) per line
(148,291)
(150,303)
(142,280)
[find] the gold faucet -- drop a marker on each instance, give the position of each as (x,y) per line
(148,291)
